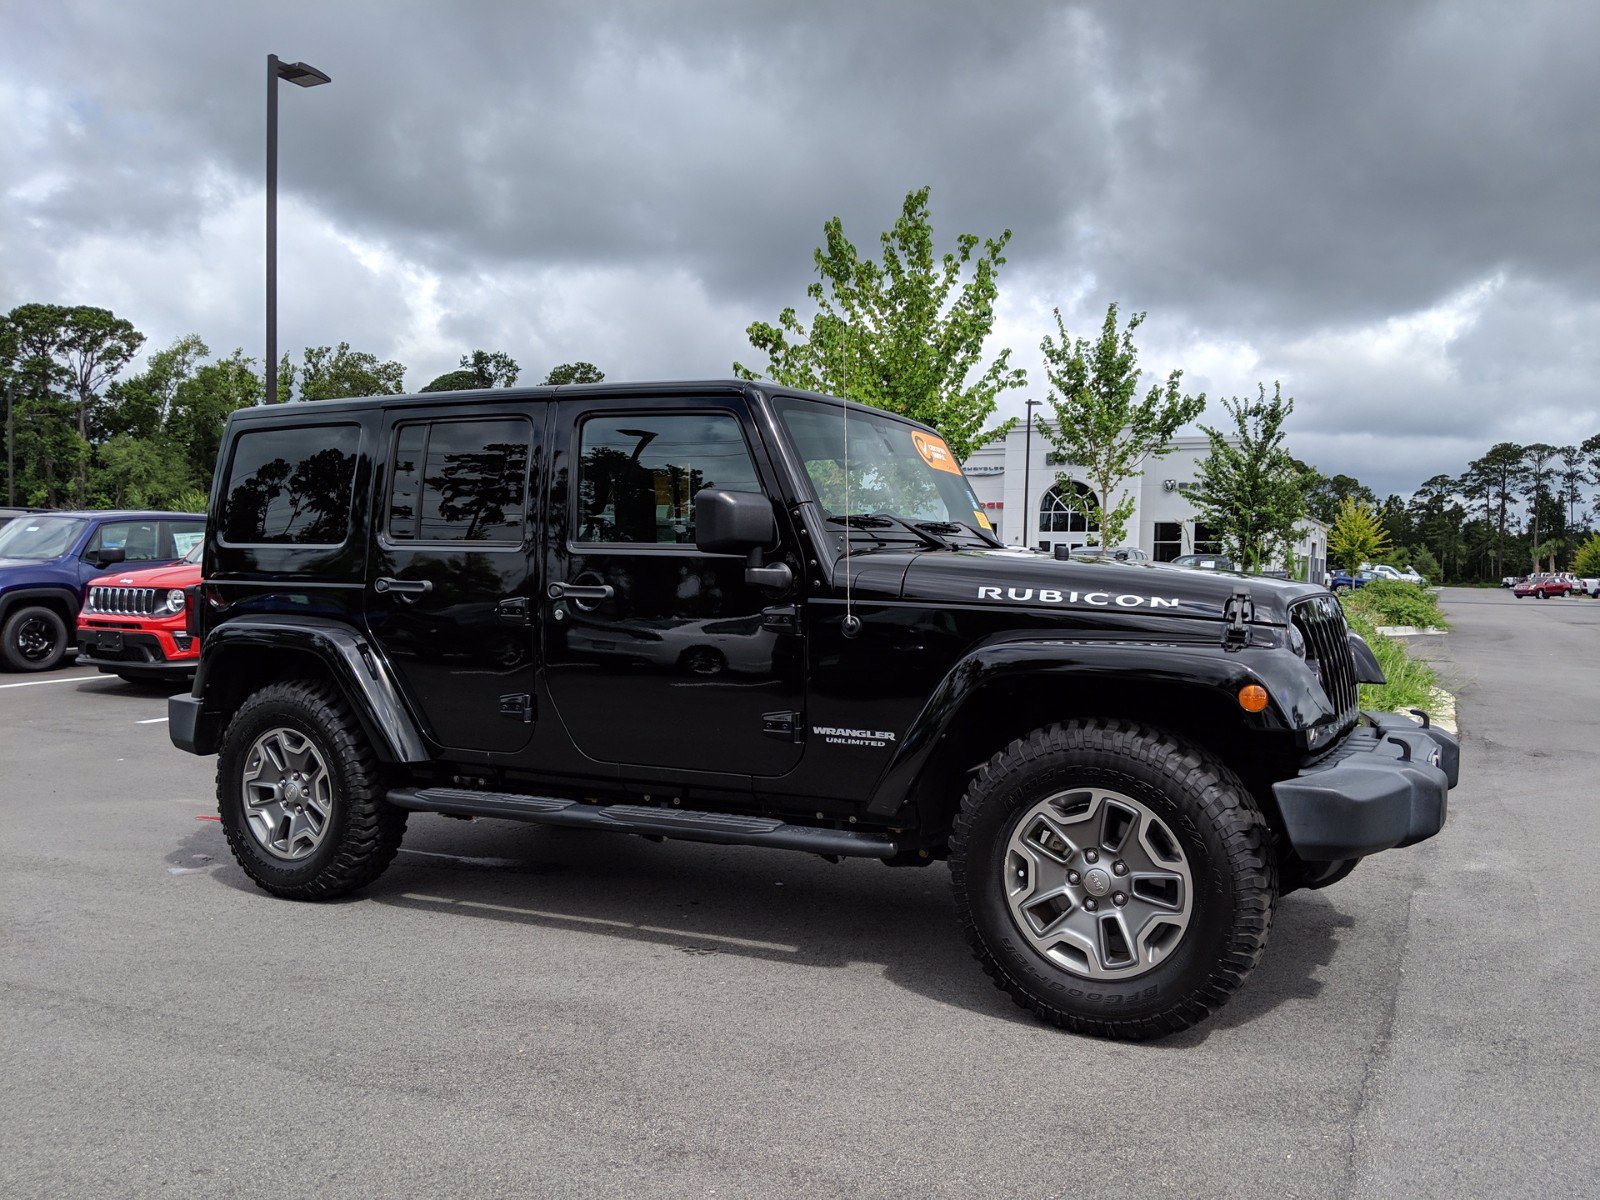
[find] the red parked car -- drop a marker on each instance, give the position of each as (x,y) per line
(133,623)
(1543,586)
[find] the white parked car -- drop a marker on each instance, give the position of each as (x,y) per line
(1588,587)
(1409,575)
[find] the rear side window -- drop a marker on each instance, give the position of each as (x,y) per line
(291,486)
(460,481)
(186,535)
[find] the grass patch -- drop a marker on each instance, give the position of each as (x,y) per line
(1392,602)
(1411,681)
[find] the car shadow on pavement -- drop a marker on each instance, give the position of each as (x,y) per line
(772,906)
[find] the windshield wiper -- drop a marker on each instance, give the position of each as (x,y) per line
(870,521)
(959,527)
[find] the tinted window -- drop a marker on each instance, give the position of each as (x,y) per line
(139,541)
(460,481)
(291,486)
(638,475)
(186,535)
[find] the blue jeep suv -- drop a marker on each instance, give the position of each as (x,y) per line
(47,558)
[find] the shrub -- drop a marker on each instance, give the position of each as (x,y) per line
(1411,682)
(1394,602)
(1587,561)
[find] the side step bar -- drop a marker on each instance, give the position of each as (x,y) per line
(723,828)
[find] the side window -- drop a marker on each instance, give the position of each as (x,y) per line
(460,481)
(185,535)
(138,540)
(290,486)
(638,474)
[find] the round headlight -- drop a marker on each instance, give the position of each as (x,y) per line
(176,600)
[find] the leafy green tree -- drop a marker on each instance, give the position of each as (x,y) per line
(202,403)
(134,472)
(1357,535)
(1325,493)
(1498,477)
(1538,472)
(335,372)
(1101,424)
(1426,564)
(574,372)
(905,335)
(1439,521)
(1586,562)
(139,405)
(1252,494)
(480,369)
(95,345)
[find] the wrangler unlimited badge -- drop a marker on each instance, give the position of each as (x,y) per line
(1053,596)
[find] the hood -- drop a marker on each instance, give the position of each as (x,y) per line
(174,575)
(1025,579)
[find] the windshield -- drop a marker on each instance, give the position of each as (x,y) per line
(895,469)
(39,537)
(195,551)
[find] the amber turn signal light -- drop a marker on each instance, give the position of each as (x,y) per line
(1252,697)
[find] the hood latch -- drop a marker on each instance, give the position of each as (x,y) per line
(1239,611)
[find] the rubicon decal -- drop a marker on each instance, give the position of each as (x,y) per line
(853,737)
(1055,596)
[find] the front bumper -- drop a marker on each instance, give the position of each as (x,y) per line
(137,652)
(1386,785)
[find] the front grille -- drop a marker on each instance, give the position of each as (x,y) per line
(1321,621)
(125,601)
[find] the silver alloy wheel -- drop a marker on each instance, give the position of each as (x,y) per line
(288,793)
(1098,883)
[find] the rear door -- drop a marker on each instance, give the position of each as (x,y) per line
(657,654)
(450,582)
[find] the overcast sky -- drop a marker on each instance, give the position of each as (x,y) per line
(1393,208)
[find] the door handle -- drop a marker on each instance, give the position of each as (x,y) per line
(402,587)
(580,591)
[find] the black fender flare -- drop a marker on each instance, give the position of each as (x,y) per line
(54,592)
(1295,699)
(357,667)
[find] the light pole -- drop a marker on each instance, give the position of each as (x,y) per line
(305,76)
(1027,470)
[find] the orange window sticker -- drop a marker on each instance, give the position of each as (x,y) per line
(983,521)
(934,452)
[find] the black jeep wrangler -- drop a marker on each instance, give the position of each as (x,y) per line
(734,613)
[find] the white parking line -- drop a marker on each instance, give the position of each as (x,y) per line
(153,721)
(42,682)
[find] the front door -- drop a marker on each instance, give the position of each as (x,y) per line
(452,582)
(655,653)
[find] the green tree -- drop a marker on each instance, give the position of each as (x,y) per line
(335,372)
(480,369)
(1498,477)
(95,345)
(1101,424)
(1586,562)
(45,445)
(1357,535)
(1538,472)
(1252,494)
(134,472)
(1325,493)
(139,405)
(200,406)
(905,335)
(575,372)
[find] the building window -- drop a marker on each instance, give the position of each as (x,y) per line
(1168,541)
(1206,540)
(1057,514)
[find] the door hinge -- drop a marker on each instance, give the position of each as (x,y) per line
(1239,611)
(519,706)
(782,618)
(514,609)
(783,726)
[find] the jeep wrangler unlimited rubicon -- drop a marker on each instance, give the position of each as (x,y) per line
(734,613)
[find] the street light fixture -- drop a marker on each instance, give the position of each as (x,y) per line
(1027,470)
(303,75)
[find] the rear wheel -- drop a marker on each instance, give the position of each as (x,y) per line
(1112,878)
(35,639)
(301,796)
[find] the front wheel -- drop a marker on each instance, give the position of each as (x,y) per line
(1113,879)
(35,639)
(300,794)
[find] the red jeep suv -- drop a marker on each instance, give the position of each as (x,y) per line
(133,623)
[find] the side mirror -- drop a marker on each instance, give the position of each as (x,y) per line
(740,523)
(733,522)
(109,556)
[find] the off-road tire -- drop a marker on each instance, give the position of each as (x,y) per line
(364,831)
(12,653)
(1221,831)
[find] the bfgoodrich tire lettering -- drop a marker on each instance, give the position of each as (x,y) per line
(362,832)
(1223,838)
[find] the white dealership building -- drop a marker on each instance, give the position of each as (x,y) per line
(1018,482)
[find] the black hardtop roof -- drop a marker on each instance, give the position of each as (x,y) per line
(662,388)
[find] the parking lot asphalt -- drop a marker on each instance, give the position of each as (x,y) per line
(516,1011)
